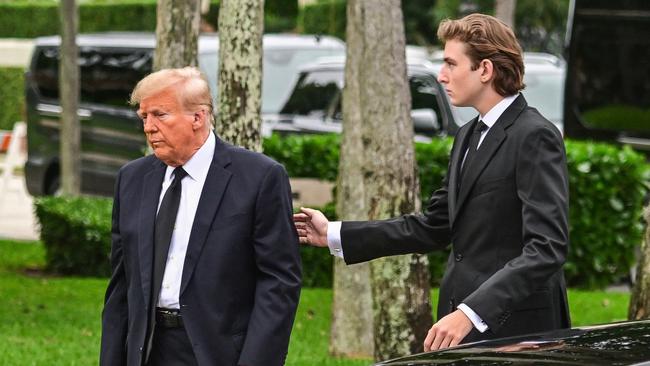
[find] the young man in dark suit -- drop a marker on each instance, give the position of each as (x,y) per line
(503,205)
(206,269)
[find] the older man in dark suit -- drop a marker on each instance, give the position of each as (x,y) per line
(206,269)
(503,205)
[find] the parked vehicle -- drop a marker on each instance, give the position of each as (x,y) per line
(314,105)
(608,82)
(626,343)
(111,64)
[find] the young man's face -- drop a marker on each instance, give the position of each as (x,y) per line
(462,84)
(170,129)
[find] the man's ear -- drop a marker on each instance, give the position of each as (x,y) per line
(199,119)
(487,70)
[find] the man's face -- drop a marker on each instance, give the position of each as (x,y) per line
(462,84)
(170,129)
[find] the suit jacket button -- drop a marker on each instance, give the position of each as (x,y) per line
(459,257)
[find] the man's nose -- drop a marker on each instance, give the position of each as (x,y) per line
(148,124)
(442,75)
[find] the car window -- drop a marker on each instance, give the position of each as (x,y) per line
(107,76)
(315,94)
(424,95)
(280,69)
(612,95)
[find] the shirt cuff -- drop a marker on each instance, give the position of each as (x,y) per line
(479,324)
(334,238)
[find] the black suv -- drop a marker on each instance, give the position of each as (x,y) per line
(111,64)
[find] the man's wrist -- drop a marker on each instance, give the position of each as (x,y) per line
(476,320)
(334,238)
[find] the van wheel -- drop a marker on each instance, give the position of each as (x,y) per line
(54,187)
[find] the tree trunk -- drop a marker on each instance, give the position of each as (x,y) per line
(505,11)
(240,72)
(378,180)
(177,33)
(640,300)
(69,95)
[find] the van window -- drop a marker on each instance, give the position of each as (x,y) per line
(609,80)
(107,76)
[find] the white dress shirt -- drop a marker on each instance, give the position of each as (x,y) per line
(334,227)
(192,186)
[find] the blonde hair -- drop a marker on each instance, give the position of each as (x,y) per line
(488,38)
(191,87)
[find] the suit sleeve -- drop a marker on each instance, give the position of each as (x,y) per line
(543,189)
(277,258)
(415,233)
(115,313)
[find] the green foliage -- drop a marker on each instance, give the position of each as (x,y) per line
(280,15)
(606,198)
(297,152)
(76,234)
(117,15)
(12,101)
(327,17)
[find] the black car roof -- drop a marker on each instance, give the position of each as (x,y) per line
(625,343)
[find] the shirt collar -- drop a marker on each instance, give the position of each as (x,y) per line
(493,114)
(199,164)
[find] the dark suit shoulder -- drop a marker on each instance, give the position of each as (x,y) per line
(531,121)
(250,160)
(140,165)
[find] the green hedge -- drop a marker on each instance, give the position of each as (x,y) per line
(76,233)
(12,100)
(606,197)
(606,184)
(324,18)
(123,15)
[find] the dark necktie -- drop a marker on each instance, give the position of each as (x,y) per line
(472,147)
(163,229)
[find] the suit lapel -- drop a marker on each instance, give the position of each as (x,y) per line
(454,168)
(151,186)
(491,143)
(214,188)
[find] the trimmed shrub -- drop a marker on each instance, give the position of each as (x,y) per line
(606,199)
(12,100)
(122,15)
(76,233)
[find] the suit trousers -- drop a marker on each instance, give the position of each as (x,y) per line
(171,347)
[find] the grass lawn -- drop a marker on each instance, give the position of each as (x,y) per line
(56,320)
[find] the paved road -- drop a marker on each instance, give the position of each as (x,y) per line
(17,220)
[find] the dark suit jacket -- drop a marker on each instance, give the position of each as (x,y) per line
(507,225)
(241,277)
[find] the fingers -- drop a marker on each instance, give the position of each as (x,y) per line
(428,341)
(308,211)
(300,217)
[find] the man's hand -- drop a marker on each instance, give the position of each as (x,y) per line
(448,331)
(311,226)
